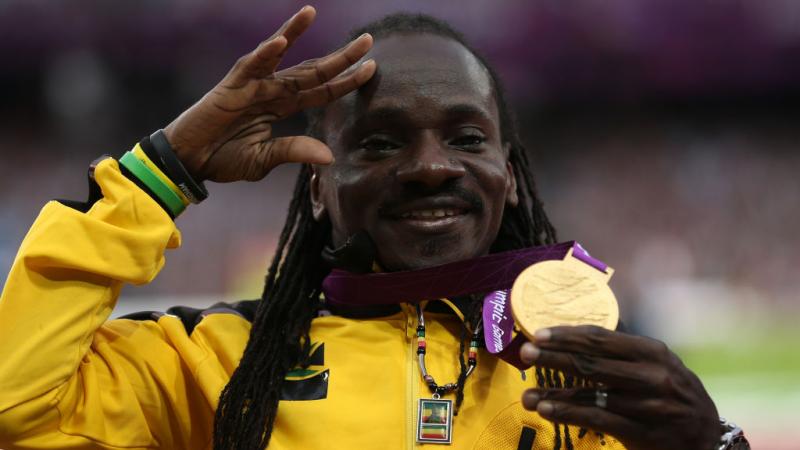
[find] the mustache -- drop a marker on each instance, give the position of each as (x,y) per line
(412,193)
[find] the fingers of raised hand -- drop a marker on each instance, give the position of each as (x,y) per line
(296,25)
(313,73)
(337,87)
(262,61)
(313,83)
(253,80)
(279,100)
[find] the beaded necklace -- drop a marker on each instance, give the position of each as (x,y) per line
(437,425)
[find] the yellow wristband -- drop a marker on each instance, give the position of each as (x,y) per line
(140,154)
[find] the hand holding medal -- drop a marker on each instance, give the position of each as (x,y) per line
(567,310)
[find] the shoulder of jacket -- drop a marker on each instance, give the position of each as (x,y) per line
(190,317)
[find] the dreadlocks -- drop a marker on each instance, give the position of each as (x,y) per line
(279,338)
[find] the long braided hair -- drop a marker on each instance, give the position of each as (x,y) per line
(279,337)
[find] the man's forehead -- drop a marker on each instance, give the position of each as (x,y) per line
(428,62)
(422,73)
(406,79)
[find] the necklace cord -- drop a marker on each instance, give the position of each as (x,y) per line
(472,358)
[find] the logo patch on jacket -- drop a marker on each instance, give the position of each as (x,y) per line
(309,383)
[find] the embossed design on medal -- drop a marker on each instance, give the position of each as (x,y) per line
(563,292)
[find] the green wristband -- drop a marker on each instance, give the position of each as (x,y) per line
(159,188)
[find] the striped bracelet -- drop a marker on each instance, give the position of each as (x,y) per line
(139,153)
(157,186)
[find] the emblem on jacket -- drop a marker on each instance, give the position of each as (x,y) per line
(308,383)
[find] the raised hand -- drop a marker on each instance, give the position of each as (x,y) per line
(227,135)
(653,401)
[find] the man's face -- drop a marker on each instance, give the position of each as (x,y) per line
(419,160)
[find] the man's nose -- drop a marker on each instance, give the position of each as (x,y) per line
(430,162)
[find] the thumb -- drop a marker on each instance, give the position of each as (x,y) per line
(300,149)
(297,149)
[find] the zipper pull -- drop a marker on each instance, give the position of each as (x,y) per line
(411,320)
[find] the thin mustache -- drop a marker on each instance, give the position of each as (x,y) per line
(473,199)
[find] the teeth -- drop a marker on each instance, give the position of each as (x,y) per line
(431,213)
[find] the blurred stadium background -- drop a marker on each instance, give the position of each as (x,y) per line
(665,135)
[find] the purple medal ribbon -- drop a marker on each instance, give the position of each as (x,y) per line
(494,273)
(498,328)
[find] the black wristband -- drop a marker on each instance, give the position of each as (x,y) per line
(152,154)
(194,191)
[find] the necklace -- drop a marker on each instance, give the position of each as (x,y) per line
(435,415)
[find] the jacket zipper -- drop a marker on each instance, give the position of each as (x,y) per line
(412,392)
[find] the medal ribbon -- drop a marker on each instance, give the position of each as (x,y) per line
(494,273)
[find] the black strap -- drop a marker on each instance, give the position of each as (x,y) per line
(194,191)
(190,317)
(526,439)
(152,154)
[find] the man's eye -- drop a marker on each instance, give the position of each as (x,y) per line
(378,145)
(471,140)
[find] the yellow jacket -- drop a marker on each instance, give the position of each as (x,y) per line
(71,379)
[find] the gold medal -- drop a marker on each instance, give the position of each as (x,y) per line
(563,292)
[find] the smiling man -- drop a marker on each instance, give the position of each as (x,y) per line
(421,164)
(411,161)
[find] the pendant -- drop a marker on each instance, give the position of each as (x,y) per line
(435,421)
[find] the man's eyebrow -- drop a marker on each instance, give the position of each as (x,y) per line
(467,111)
(379,117)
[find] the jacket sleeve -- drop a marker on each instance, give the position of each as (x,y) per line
(67,378)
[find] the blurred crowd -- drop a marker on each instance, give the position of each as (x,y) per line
(664,132)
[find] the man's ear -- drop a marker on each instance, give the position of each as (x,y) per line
(512,199)
(317,206)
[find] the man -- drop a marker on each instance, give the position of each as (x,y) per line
(414,163)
